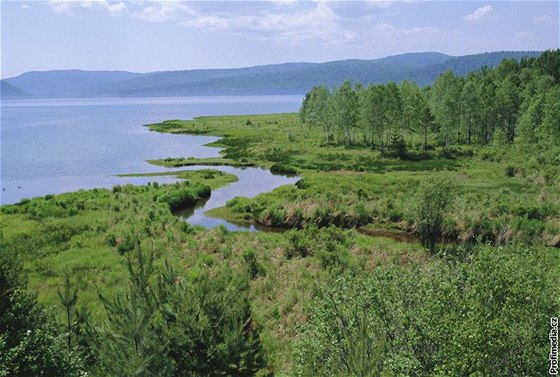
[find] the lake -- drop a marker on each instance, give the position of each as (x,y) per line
(50,146)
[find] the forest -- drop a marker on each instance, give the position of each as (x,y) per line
(422,239)
(518,102)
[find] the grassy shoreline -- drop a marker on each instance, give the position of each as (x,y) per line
(212,177)
(176,162)
(356,186)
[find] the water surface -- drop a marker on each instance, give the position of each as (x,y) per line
(50,146)
(252,181)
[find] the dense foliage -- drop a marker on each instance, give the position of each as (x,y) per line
(515,103)
(481,317)
(170,325)
(158,322)
(31,343)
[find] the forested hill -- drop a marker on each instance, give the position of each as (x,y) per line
(288,78)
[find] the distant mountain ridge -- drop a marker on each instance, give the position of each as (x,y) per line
(8,90)
(286,78)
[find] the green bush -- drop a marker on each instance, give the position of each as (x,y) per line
(432,206)
(446,319)
(283,169)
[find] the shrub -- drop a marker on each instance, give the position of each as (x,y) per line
(300,244)
(446,319)
(239,204)
(282,169)
(432,207)
(254,267)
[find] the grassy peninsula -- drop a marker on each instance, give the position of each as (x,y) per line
(212,177)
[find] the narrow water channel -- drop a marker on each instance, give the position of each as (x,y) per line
(251,182)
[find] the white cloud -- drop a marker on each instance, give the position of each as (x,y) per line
(379,3)
(384,35)
(388,30)
(25,6)
(384,27)
(316,22)
(419,31)
(70,8)
(164,11)
(480,14)
(280,20)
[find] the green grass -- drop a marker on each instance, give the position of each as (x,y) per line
(357,186)
(89,234)
(91,242)
(175,162)
(211,177)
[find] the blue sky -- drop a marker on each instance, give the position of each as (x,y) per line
(143,36)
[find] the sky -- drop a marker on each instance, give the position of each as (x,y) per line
(145,36)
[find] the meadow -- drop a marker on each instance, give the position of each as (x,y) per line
(357,186)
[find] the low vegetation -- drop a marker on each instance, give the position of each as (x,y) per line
(212,177)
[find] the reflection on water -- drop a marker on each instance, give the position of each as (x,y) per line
(252,181)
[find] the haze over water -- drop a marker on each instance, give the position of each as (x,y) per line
(58,145)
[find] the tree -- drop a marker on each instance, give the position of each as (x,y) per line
(314,111)
(413,106)
(133,340)
(373,117)
(445,105)
(393,109)
(487,111)
(490,105)
(168,325)
(68,298)
(30,341)
(470,101)
(529,121)
(507,99)
(345,111)
(433,204)
(426,117)
(548,132)
(397,146)
(210,324)
(549,63)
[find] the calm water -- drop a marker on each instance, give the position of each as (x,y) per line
(54,146)
(252,181)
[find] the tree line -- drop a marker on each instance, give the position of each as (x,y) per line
(518,102)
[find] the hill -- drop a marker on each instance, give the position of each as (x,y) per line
(9,91)
(68,83)
(288,78)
